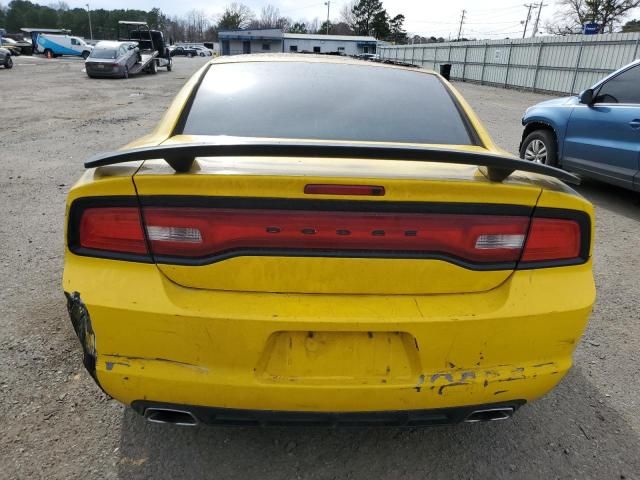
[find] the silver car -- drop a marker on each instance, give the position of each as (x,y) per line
(112,59)
(5,58)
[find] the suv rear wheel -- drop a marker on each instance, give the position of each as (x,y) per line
(8,63)
(540,147)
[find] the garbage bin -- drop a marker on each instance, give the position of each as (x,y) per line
(445,70)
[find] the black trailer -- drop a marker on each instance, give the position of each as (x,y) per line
(153,49)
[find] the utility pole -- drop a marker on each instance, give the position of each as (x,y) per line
(464,12)
(535,27)
(90,29)
(526,23)
(328,4)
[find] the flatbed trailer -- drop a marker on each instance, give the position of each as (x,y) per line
(153,53)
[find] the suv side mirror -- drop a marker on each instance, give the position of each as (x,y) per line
(586,97)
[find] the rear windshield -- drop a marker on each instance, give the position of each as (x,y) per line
(305,100)
(107,53)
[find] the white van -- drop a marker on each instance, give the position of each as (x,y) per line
(56,45)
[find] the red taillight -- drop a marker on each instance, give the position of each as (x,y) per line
(552,239)
(211,232)
(207,234)
(113,229)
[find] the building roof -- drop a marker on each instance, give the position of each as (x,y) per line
(318,36)
(256,33)
(302,57)
(274,33)
(45,30)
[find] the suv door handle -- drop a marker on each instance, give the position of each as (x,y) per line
(635,123)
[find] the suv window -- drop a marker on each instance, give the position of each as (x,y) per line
(624,88)
(74,42)
(326,101)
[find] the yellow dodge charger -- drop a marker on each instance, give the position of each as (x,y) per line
(319,240)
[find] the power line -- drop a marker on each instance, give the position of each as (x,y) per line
(492,11)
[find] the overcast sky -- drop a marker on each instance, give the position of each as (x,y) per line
(440,18)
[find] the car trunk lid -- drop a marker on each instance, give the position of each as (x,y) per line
(253,224)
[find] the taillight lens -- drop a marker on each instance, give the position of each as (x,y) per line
(552,239)
(199,235)
(112,229)
(211,232)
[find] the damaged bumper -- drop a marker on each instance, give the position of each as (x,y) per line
(147,339)
(81,322)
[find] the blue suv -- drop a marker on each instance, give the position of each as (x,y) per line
(596,134)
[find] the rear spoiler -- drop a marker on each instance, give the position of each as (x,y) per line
(181,156)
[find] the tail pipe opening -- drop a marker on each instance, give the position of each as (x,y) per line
(172,416)
(490,415)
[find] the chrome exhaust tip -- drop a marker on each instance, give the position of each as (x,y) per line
(490,415)
(172,416)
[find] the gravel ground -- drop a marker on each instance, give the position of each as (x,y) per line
(57,424)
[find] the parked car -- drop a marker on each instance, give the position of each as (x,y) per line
(595,134)
(57,45)
(112,59)
(202,51)
(323,268)
(23,47)
(5,58)
(183,51)
(11,45)
(26,48)
(368,56)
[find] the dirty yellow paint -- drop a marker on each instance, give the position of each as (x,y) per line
(351,335)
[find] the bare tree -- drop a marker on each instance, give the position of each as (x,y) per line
(313,25)
(235,15)
(197,23)
(270,18)
(63,6)
(574,14)
(347,16)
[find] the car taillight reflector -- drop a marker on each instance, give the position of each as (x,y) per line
(552,239)
(208,232)
(491,242)
(113,229)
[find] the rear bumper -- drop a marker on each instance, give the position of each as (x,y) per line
(112,73)
(267,418)
(161,342)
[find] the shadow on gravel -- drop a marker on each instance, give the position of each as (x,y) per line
(569,434)
(609,197)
